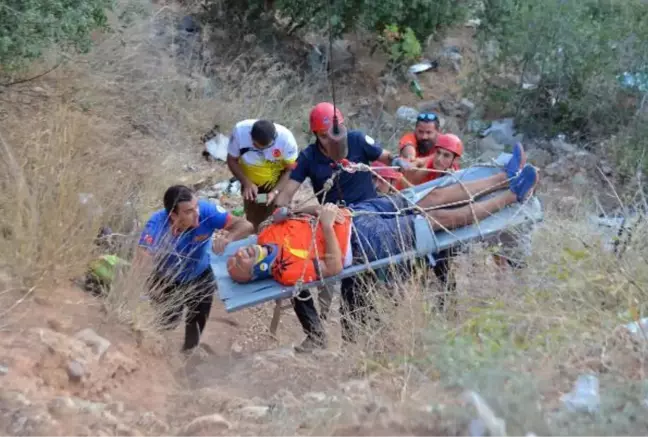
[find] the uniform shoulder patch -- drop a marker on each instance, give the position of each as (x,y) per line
(369,140)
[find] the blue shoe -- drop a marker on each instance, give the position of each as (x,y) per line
(517,161)
(524,183)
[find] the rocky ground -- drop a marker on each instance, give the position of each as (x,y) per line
(68,366)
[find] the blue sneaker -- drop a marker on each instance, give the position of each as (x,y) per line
(524,183)
(517,161)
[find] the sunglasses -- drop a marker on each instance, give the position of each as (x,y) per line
(427,116)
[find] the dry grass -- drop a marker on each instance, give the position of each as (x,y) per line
(121,123)
(520,338)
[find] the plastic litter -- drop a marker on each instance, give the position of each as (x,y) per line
(422,66)
(488,419)
(584,397)
(639,330)
(638,81)
(217,146)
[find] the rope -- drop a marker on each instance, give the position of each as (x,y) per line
(336,126)
(350,167)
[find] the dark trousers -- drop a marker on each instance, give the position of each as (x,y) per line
(443,274)
(355,307)
(195,295)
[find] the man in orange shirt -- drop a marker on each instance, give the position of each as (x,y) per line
(419,143)
(323,240)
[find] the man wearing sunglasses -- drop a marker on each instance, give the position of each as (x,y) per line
(260,155)
(420,143)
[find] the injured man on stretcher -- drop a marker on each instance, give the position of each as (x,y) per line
(320,241)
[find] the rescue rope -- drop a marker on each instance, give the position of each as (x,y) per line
(351,167)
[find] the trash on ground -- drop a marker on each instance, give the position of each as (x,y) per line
(494,424)
(423,66)
(639,329)
(584,397)
(217,147)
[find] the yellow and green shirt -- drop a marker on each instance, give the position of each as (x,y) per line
(263,167)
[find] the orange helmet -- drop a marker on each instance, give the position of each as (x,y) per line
(321,117)
(450,142)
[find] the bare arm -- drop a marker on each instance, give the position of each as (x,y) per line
(386,157)
(281,183)
(239,228)
(236,229)
(236,170)
(287,192)
(419,171)
(331,264)
(408,152)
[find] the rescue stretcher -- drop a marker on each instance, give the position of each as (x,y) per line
(237,296)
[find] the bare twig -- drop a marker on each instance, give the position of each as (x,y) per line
(29,79)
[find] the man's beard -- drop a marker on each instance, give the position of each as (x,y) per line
(424,147)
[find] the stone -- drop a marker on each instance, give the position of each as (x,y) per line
(489,156)
(117,408)
(189,24)
(75,371)
(539,157)
(358,386)
(236,348)
(4,369)
(407,114)
(475,126)
(467,105)
(580,179)
(125,430)
(429,106)
(315,397)
(451,108)
(205,425)
(98,344)
(254,412)
(152,423)
(62,406)
(503,132)
(606,169)
(559,146)
(489,144)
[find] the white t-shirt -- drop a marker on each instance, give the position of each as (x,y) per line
(263,167)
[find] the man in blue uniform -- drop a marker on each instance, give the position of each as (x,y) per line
(316,163)
(175,246)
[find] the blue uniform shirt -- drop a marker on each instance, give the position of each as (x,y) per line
(355,187)
(183,257)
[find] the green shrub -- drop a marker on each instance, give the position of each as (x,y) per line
(28,27)
(570,54)
(422,17)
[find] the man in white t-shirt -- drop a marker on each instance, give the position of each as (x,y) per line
(260,155)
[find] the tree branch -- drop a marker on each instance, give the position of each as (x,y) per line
(16,82)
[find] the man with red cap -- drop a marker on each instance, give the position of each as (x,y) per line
(316,162)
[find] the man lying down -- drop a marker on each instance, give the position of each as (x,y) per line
(370,230)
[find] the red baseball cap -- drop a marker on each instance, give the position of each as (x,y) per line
(385,172)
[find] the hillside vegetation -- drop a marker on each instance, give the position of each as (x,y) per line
(103,105)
